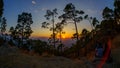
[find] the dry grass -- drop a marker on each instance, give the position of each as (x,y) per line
(11,57)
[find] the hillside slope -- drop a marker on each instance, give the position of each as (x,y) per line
(11,57)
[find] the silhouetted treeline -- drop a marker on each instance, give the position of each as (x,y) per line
(101,32)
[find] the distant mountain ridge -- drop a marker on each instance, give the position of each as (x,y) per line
(66,41)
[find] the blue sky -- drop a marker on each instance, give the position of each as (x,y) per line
(38,9)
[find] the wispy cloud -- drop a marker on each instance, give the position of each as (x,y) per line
(90,11)
(38,10)
(44,9)
(33,2)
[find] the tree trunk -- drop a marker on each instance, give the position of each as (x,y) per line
(76,30)
(22,34)
(53,31)
(0,23)
(61,41)
(77,54)
(92,27)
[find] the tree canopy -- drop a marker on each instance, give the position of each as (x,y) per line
(1,7)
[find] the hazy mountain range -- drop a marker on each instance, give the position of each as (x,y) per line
(66,41)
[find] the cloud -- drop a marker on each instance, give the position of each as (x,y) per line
(36,11)
(44,9)
(41,9)
(33,2)
(90,11)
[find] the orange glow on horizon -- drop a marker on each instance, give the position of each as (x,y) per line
(69,31)
(64,36)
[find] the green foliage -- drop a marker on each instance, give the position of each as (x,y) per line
(12,31)
(117,14)
(59,27)
(117,8)
(23,27)
(74,15)
(1,7)
(92,20)
(69,52)
(75,36)
(59,30)
(3,25)
(84,37)
(24,24)
(40,46)
(50,15)
(110,23)
(45,25)
(108,13)
(1,41)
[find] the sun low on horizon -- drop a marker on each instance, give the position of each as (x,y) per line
(63,36)
(38,9)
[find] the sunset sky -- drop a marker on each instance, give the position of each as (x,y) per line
(38,9)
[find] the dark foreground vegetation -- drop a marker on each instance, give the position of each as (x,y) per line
(14,57)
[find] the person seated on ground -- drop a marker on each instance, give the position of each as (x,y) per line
(99,50)
(107,58)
